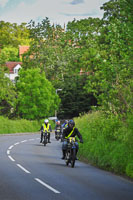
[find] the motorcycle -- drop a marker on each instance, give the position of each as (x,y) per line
(58,134)
(71,152)
(45,138)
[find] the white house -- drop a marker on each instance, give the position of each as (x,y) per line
(13,70)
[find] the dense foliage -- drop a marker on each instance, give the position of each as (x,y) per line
(13,34)
(112,78)
(37,100)
(100,48)
(108,142)
(20,125)
(74,98)
(7,93)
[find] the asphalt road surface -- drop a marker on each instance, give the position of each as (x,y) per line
(30,171)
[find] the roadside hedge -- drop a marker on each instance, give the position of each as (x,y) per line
(108,141)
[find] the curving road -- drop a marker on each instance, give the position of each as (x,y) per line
(30,171)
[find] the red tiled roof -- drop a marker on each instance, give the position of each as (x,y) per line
(11,65)
(23,49)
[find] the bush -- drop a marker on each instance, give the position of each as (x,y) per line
(129,170)
(108,141)
(18,126)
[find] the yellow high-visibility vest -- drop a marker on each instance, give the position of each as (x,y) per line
(46,128)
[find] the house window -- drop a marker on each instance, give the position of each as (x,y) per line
(15,71)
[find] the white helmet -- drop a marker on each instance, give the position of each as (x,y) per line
(46,121)
(58,122)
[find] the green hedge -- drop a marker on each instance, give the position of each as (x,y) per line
(108,141)
(17,126)
(20,125)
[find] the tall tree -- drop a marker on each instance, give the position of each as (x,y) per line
(36,96)
(13,34)
(111,80)
(58,53)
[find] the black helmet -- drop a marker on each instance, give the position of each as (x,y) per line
(71,123)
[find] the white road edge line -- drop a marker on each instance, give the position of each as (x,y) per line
(25,170)
(46,185)
(11,158)
(11,147)
(23,141)
(8,152)
(16,143)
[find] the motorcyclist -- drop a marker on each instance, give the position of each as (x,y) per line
(46,127)
(65,124)
(58,127)
(70,131)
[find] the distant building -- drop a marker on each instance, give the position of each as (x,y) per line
(15,66)
(22,50)
(13,70)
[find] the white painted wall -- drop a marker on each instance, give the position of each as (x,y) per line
(15,74)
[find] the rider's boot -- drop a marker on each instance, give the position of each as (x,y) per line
(64,154)
(76,154)
(41,137)
(49,138)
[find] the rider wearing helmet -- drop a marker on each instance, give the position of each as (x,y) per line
(65,124)
(58,127)
(46,126)
(70,131)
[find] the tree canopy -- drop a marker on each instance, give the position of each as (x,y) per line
(36,96)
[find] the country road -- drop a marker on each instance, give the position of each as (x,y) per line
(30,171)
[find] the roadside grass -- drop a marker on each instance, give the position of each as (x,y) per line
(8,126)
(108,142)
(17,126)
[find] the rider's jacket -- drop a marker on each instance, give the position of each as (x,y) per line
(64,125)
(68,132)
(58,127)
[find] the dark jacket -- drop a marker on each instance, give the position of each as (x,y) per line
(58,127)
(76,132)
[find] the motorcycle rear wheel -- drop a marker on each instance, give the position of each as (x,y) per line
(67,158)
(73,157)
(45,140)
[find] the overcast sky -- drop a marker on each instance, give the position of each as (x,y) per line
(58,11)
